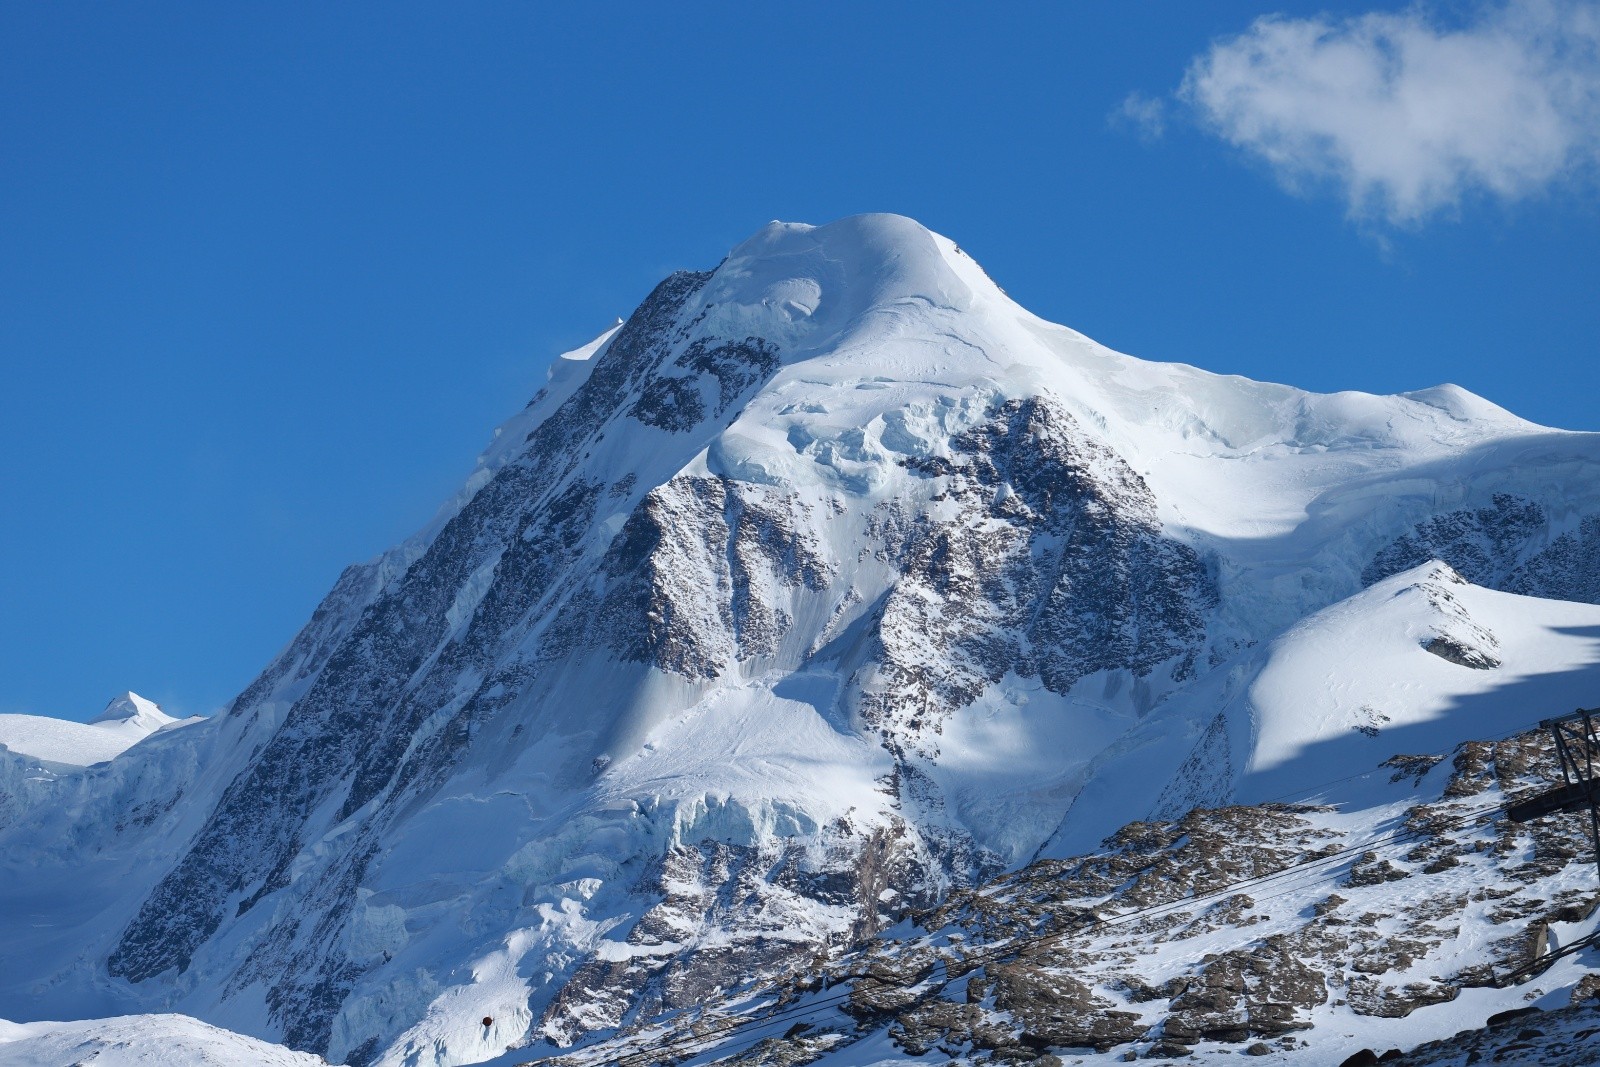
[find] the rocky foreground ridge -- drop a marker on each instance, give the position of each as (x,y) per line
(1272,930)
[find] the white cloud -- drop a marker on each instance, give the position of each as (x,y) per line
(1147,115)
(1405,115)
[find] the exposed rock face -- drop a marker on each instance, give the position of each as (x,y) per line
(1448,648)
(1485,545)
(747,539)
(1260,993)
(1053,566)
(677,400)
(1568,570)
(1458,638)
(1054,1010)
(1506,545)
(786,918)
(1561,1038)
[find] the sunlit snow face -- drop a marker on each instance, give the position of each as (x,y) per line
(795,298)
(803,286)
(779,299)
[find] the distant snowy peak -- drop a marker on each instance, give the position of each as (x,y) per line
(1463,404)
(140,1039)
(132,710)
(128,719)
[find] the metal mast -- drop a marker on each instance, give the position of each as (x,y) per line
(1578,748)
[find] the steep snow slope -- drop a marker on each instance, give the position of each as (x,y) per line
(829,581)
(1412,664)
(74,744)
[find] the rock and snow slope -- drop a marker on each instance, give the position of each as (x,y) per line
(829,582)
(1365,911)
(1416,663)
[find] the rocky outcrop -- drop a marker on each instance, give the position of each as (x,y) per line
(697,572)
(677,399)
(1509,544)
(726,913)
(1041,555)
(1102,953)
(1263,992)
(1564,1037)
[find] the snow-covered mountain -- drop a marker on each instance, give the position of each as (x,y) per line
(139,1040)
(128,719)
(132,710)
(828,583)
(1329,913)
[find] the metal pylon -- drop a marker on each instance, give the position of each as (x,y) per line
(1578,748)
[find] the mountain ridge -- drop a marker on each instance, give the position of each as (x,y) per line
(812,591)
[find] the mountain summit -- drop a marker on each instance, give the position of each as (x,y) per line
(126,720)
(131,709)
(827,583)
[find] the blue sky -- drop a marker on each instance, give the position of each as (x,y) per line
(269,273)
